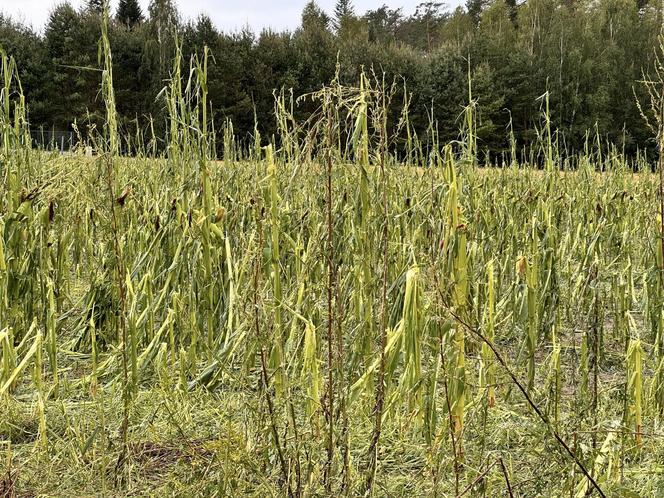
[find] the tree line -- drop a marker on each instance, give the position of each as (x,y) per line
(589,55)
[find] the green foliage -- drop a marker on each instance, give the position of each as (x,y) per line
(129,13)
(516,53)
(166,314)
(343,12)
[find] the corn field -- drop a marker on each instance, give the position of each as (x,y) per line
(344,309)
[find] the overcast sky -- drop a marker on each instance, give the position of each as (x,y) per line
(228,15)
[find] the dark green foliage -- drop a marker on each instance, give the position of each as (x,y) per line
(474,9)
(314,18)
(587,55)
(129,13)
(26,46)
(71,85)
(343,12)
(383,24)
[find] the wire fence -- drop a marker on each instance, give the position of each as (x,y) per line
(61,140)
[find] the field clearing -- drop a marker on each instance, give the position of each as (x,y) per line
(198,417)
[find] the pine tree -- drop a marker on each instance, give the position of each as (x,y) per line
(129,13)
(475,8)
(512,10)
(313,17)
(343,10)
(69,92)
